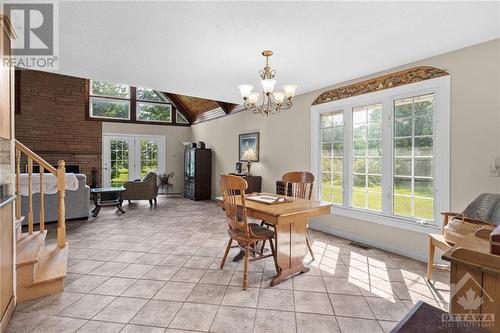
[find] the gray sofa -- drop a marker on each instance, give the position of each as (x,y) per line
(77,203)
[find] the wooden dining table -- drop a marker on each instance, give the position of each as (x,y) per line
(290,220)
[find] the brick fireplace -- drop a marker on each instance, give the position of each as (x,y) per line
(50,120)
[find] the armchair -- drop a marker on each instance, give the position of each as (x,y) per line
(143,189)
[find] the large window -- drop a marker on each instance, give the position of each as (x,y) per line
(120,102)
(332,147)
(413,157)
(152,106)
(109,100)
(384,156)
(367,157)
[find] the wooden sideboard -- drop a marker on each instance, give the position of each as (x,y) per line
(475,281)
(254,182)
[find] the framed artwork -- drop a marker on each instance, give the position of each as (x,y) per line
(249,147)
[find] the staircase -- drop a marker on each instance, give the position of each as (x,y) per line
(40,268)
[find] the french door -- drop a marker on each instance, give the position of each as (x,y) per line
(129,157)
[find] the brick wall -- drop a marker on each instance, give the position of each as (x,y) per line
(50,120)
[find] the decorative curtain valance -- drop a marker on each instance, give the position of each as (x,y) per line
(392,80)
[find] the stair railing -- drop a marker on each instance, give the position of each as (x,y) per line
(60,174)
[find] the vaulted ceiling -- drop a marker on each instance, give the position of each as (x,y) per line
(206,49)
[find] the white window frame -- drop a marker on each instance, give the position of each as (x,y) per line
(153,103)
(440,87)
(112,99)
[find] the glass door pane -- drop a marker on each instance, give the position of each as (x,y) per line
(149,156)
(119,162)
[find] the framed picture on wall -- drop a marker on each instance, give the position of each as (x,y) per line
(249,147)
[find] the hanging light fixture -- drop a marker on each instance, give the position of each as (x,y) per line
(268,101)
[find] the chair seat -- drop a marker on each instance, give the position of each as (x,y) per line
(260,233)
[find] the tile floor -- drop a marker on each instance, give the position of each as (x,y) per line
(157,270)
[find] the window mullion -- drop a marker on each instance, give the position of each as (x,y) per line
(347,165)
(387,156)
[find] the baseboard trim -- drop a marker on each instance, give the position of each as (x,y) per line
(422,257)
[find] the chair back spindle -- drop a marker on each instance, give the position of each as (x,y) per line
(301,184)
(233,192)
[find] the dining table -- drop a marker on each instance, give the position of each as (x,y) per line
(290,219)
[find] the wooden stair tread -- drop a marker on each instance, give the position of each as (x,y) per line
(29,247)
(52,264)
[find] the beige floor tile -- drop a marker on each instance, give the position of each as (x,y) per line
(276,299)
(150,259)
(174,260)
(175,291)
(234,319)
(207,294)
(157,313)
(86,283)
(128,257)
(217,276)
(134,271)
(109,268)
(84,266)
(115,286)
(387,326)
(304,282)
(106,255)
(306,301)
(341,286)
(254,279)
(351,306)
(21,323)
(52,304)
(185,250)
(144,288)
(236,296)
(160,273)
(268,321)
(194,316)
(192,275)
(198,262)
(121,310)
(387,309)
(267,278)
(87,306)
(101,327)
(142,329)
(308,322)
(356,325)
(59,325)
(164,248)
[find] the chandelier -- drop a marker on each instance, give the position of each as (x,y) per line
(270,101)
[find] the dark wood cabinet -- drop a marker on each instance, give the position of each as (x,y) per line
(198,173)
(254,183)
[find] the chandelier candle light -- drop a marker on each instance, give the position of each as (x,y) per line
(271,101)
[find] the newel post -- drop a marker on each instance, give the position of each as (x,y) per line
(61,188)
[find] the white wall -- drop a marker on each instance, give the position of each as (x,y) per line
(174,135)
(285,143)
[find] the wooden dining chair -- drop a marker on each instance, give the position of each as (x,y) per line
(247,235)
(300,185)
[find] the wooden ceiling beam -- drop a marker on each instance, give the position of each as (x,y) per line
(227,107)
(181,107)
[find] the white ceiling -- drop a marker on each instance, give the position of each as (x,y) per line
(207,49)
